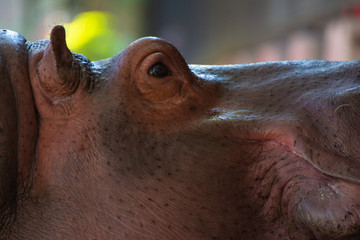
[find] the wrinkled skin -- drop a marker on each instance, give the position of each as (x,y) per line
(112,150)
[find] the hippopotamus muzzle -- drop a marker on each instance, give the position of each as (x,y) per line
(144,146)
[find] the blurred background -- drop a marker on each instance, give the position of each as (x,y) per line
(205,31)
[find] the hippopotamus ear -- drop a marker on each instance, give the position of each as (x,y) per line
(54,73)
(58,50)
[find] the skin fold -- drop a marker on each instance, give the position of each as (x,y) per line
(145,146)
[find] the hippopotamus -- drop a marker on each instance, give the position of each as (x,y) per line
(144,146)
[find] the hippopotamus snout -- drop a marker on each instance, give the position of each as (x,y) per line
(309,106)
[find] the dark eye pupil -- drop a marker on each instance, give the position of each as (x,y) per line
(159,70)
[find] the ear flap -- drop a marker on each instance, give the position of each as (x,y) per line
(57,75)
(60,52)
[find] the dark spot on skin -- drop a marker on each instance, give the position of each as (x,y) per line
(294,143)
(192,108)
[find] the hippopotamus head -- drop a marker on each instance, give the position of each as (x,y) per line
(144,146)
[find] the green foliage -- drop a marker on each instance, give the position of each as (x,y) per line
(95,35)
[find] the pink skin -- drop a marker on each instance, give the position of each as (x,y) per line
(258,151)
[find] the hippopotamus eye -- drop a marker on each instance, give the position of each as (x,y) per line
(158,70)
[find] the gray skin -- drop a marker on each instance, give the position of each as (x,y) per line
(120,149)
